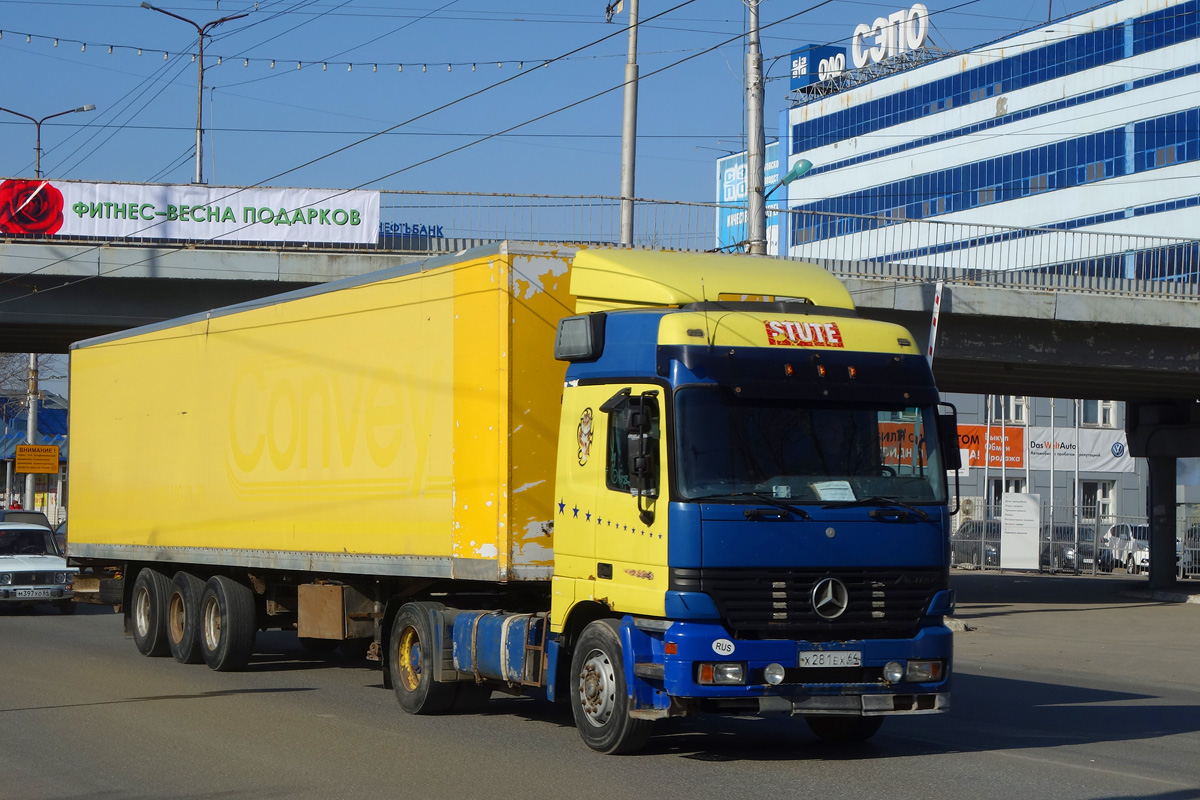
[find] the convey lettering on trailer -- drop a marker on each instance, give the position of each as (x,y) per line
(803,334)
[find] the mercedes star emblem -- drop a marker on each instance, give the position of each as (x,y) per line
(830,598)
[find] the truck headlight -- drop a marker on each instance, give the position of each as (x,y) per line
(925,671)
(725,673)
(893,671)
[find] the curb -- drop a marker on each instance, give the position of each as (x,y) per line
(1167,597)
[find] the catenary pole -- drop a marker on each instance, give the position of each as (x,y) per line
(629,129)
(756,201)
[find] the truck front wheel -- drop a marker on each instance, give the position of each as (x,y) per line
(844,730)
(599,697)
(228,624)
(148,610)
(412,652)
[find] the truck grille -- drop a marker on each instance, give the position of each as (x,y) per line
(778,603)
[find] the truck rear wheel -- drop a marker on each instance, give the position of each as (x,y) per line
(148,613)
(844,730)
(412,652)
(228,624)
(599,697)
(183,618)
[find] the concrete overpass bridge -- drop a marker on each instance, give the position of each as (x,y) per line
(1035,334)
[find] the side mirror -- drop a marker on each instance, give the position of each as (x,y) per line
(947,429)
(642,451)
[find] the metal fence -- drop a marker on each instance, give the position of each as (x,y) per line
(1072,540)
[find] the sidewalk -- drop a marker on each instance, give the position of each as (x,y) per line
(980,593)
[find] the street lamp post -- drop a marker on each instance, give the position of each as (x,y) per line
(37,147)
(201,32)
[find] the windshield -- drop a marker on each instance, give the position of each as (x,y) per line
(28,543)
(805,451)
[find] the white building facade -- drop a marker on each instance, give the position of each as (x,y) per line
(1090,123)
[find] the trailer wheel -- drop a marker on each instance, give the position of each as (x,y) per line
(149,613)
(183,618)
(413,651)
(228,624)
(599,697)
(844,730)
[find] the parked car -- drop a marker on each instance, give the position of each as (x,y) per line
(21,515)
(1190,556)
(32,570)
(976,542)
(1130,545)
(1061,553)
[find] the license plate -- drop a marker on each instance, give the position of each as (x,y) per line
(830,658)
(33,592)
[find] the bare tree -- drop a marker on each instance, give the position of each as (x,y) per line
(14,377)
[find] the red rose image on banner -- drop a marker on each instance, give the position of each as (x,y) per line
(30,207)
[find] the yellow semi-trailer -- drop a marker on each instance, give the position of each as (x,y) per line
(648,483)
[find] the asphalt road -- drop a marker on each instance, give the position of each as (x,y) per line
(1064,688)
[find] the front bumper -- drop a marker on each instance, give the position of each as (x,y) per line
(665,673)
(31,595)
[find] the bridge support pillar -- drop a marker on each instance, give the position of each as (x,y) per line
(1162,522)
(1162,431)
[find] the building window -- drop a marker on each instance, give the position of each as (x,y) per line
(1096,501)
(998,487)
(1009,408)
(1096,413)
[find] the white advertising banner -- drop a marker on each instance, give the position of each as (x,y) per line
(191,213)
(1100,449)
(1020,526)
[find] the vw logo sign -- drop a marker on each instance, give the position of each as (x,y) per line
(830,598)
(1118,449)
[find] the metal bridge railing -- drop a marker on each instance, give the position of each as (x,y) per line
(880,247)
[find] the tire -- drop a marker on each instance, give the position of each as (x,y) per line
(183,618)
(1131,567)
(148,613)
(66,607)
(599,696)
(844,730)
(111,590)
(412,652)
(228,624)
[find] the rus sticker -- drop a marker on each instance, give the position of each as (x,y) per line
(803,334)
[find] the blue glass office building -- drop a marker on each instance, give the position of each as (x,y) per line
(1089,123)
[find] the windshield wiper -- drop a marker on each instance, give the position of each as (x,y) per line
(877,500)
(769,499)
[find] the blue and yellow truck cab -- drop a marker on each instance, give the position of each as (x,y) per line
(751,502)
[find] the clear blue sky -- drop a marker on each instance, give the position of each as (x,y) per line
(267,123)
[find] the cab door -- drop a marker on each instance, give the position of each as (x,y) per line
(610,539)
